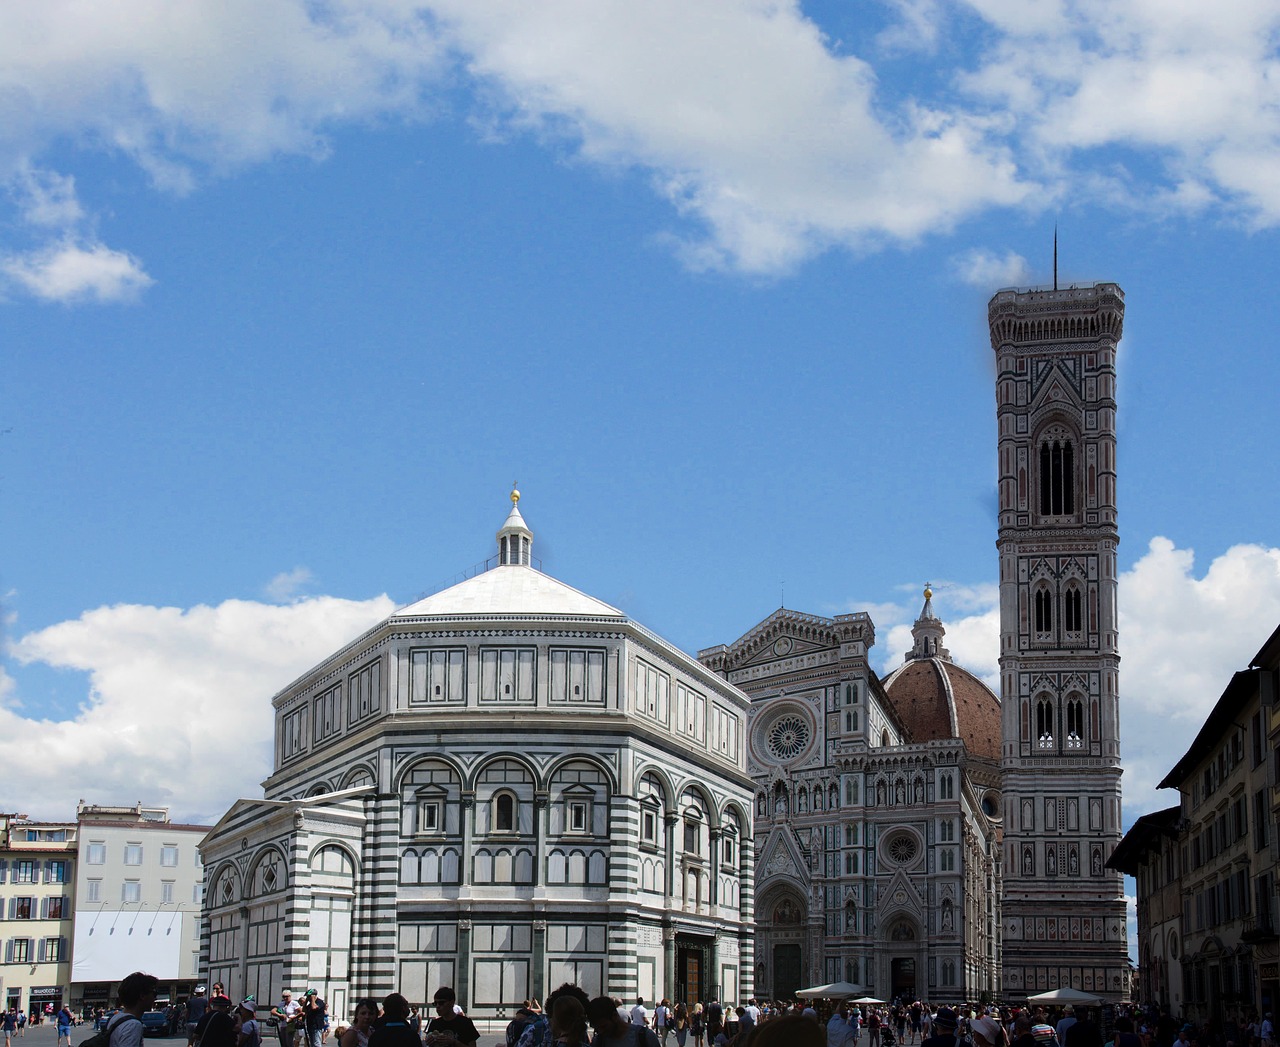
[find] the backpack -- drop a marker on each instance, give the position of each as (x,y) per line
(102,1038)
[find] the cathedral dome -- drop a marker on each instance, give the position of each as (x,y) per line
(935,698)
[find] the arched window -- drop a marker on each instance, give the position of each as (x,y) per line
(1072,618)
(1044,724)
(1057,475)
(1075,723)
(504,813)
(851,790)
(946,787)
(884,737)
(947,831)
(1043,609)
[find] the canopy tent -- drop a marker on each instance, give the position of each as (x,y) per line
(1064,996)
(831,991)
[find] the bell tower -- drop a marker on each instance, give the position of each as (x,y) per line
(1063,909)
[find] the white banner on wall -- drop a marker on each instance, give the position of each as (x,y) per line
(111,943)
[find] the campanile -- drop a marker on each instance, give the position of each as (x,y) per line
(1063,909)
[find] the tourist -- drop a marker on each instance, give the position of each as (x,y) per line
(698,1025)
(569,1023)
(286,1013)
(217,1028)
(315,1016)
(612,1031)
(448,1026)
(362,1019)
(250,1034)
(840,1028)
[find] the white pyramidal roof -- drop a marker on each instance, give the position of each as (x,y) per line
(511,589)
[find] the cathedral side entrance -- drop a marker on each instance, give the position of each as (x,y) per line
(788,970)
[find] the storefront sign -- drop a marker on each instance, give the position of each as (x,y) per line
(41,992)
(1269,971)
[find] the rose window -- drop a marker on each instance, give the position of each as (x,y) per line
(902,848)
(788,737)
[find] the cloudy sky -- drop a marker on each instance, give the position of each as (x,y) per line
(292,291)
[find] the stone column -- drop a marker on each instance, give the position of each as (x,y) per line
(463,974)
(541,828)
(468,832)
(537,981)
(670,822)
(668,962)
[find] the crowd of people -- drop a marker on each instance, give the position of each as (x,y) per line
(572,1018)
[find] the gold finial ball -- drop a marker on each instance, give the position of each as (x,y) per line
(928,593)
(515,496)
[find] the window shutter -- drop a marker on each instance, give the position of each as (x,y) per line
(4,866)
(40,951)
(13,908)
(44,908)
(48,871)
(8,951)
(62,950)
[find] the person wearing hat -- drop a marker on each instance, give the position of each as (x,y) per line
(944,1029)
(196,1007)
(217,1028)
(315,1014)
(987,1032)
(250,1033)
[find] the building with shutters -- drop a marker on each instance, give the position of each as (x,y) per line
(37,870)
(504,786)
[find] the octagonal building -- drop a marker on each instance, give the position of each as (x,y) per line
(504,786)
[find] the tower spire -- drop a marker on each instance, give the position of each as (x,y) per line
(1055,256)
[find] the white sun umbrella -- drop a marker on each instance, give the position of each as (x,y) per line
(868,1000)
(830,991)
(1064,996)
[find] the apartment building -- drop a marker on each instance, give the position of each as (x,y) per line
(139,884)
(37,876)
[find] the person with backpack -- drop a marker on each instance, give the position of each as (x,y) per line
(250,1033)
(136,995)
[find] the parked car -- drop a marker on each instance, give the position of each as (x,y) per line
(155,1023)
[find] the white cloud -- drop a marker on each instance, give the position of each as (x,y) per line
(770,142)
(286,585)
(46,198)
(751,126)
(986,269)
(178,706)
(71,272)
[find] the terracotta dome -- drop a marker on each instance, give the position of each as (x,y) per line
(935,698)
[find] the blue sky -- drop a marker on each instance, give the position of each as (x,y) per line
(291,293)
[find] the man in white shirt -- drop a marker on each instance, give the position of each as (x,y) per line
(754,1011)
(639,1016)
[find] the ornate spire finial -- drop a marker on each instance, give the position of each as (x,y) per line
(928,590)
(515,494)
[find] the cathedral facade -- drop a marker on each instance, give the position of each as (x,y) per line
(503,787)
(876,809)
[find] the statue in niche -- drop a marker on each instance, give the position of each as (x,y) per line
(817,797)
(1028,862)
(900,792)
(1073,862)
(802,802)
(780,803)
(1051,861)
(919,791)
(1097,862)
(880,792)
(947,918)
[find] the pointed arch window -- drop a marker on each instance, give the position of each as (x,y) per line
(1072,617)
(1044,724)
(1057,475)
(1043,609)
(1075,723)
